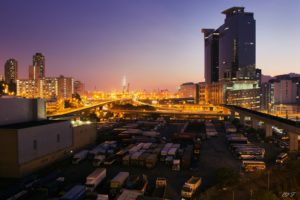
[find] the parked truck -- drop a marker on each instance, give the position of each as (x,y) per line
(95,178)
(98,160)
(75,193)
(190,187)
(151,161)
(80,156)
(117,182)
(176,165)
(137,183)
(160,187)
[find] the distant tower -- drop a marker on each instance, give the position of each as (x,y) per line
(124,84)
(37,69)
(11,70)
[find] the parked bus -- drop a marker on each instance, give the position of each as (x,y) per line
(251,166)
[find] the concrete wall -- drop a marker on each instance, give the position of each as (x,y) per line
(46,137)
(9,153)
(16,110)
(84,135)
(19,155)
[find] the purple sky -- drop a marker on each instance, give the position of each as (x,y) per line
(155,43)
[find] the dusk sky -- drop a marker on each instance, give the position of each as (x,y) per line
(155,43)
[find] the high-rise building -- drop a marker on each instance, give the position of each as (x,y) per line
(34,72)
(211,40)
(230,73)
(11,70)
(49,88)
(237,45)
(37,69)
(79,88)
(29,88)
(65,87)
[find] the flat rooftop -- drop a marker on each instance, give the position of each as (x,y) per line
(30,124)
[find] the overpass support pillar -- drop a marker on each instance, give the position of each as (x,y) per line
(268,129)
(293,141)
(254,123)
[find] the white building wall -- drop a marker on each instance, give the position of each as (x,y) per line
(16,110)
(46,140)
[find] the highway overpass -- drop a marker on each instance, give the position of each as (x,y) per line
(292,127)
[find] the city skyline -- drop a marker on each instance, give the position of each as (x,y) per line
(97,44)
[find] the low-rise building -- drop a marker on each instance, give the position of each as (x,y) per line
(29,146)
(84,134)
(30,142)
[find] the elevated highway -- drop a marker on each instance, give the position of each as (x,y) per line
(292,127)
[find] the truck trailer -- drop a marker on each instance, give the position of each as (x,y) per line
(95,178)
(117,182)
(190,187)
(80,156)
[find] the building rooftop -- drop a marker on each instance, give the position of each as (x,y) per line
(188,83)
(30,124)
(233,10)
(207,31)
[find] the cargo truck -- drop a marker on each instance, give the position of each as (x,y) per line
(160,187)
(190,187)
(117,182)
(98,160)
(95,178)
(80,156)
(176,165)
(75,193)
(137,183)
(151,161)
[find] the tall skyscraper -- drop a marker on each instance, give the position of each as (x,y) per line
(230,73)
(237,45)
(211,49)
(11,70)
(37,69)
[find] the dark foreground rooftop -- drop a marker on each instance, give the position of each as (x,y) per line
(30,124)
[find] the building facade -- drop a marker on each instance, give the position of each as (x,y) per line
(16,110)
(79,88)
(38,66)
(187,90)
(11,71)
(29,88)
(230,53)
(49,88)
(65,87)
(30,142)
(211,49)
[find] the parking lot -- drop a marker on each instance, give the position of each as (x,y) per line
(214,154)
